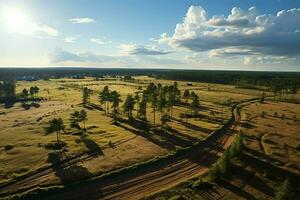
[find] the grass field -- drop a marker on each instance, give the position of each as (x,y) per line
(271,154)
(24,140)
(24,144)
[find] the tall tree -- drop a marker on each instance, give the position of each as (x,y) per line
(104,98)
(25,93)
(85,95)
(137,100)
(8,90)
(162,106)
(83,117)
(195,105)
(129,105)
(154,104)
(32,91)
(55,125)
(75,119)
(186,96)
(142,112)
(115,96)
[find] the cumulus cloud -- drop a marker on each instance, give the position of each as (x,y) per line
(70,39)
(82,20)
(268,60)
(40,29)
(59,55)
(101,41)
(133,49)
(243,32)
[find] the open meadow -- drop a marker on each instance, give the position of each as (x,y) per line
(25,147)
(107,140)
(271,153)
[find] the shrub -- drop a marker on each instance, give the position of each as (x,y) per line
(8,147)
(286,191)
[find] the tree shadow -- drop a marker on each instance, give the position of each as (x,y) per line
(208,192)
(66,171)
(187,137)
(149,136)
(193,126)
(92,106)
(9,104)
(93,148)
(261,156)
(263,166)
(249,178)
(236,190)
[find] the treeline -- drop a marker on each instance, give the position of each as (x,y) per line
(7,90)
(279,81)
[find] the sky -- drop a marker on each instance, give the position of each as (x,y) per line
(259,35)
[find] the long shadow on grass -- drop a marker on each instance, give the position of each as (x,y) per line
(272,171)
(149,136)
(66,172)
(161,137)
(238,191)
(250,178)
(194,127)
(93,148)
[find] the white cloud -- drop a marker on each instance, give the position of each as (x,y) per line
(268,60)
(133,49)
(70,39)
(64,57)
(82,20)
(97,41)
(243,32)
(101,41)
(40,29)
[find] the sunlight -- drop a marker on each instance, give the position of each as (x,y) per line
(15,20)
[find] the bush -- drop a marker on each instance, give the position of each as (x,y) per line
(55,145)
(8,147)
(286,191)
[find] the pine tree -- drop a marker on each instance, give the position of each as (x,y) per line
(83,118)
(115,96)
(154,105)
(85,95)
(286,191)
(195,105)
(55,125)
(104,98)
(75,119)
(129,105)
(25,93)
(186,96)
(142,112)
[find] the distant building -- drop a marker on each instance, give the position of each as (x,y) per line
(78,76)
(27,78)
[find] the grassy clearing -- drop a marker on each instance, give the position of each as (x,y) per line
(271,155)
(23,138)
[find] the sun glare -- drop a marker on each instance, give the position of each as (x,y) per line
(15,19)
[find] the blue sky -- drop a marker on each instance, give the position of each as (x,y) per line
(211,34)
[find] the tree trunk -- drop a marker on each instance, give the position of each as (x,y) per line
(57,139)
(154,117)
